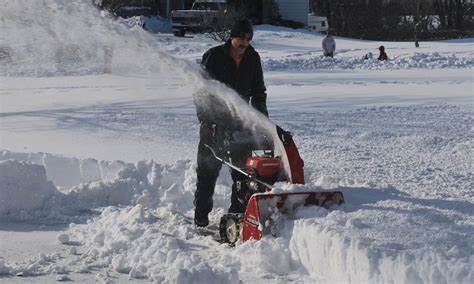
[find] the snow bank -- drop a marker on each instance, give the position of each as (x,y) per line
(154,24)
(352,248)
(68,172)
(379,235)
(307,62)
(384,235)
(146,231)
(115,183)
(144,183)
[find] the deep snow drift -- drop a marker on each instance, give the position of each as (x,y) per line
(110,159)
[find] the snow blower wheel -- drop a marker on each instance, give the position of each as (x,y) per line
(229,228)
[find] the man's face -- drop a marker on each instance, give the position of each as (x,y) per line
(241,42)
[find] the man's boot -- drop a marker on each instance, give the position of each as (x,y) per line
(200,220)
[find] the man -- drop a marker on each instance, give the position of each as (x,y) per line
(329,45)
(238,65)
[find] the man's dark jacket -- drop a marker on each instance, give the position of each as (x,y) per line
(247,80)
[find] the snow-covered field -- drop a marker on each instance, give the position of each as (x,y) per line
(97,171)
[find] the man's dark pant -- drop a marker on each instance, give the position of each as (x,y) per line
(208,168)
(329,54)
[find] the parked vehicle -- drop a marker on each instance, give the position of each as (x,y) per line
(201,18)
(318,23)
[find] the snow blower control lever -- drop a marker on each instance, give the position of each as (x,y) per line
(238,169)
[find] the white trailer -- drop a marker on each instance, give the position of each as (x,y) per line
(318,23)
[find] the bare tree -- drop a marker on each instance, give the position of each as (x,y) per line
(221,24)
(398,19)
(417,17)
(454,14)
(113,6)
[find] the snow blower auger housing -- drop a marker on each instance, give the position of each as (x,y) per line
(261,173)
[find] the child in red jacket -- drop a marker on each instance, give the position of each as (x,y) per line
(382,55)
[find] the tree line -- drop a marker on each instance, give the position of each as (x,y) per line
(398,19)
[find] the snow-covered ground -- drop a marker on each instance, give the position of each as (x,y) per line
(97,171)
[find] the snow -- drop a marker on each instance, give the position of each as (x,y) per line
(153,24)
(17,179)
(63,238)
(97,171)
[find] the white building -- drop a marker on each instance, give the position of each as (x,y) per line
(318,23)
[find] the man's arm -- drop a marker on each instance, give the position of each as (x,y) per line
(200,98)
(258,92)
(207,63)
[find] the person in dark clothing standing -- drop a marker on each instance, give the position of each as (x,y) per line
(238,65)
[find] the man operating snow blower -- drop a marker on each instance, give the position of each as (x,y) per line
(238,65)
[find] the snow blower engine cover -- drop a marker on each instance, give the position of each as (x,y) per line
(263,167)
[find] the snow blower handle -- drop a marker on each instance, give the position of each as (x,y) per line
(236,168)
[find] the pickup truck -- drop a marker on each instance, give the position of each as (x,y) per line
(201,18)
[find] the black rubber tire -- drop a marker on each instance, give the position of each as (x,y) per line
(227,234)
(179,33)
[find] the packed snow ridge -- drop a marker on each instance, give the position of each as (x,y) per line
(416,60)
(84,185)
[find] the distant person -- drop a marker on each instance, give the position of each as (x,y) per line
(369,55)
(382,56)
(329,45)
(108,55)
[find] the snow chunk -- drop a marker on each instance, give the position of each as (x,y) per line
(63,238)
(4,267)
(24,188)
(73,251)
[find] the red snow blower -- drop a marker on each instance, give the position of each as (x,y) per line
(261,173)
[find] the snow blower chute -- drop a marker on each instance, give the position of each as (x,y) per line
(261,173)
